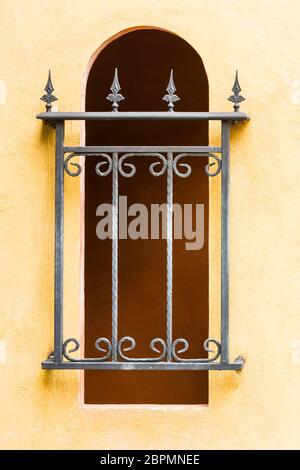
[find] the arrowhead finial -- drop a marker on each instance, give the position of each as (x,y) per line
(236,98)
(170,97)
(115,96)
(48,97)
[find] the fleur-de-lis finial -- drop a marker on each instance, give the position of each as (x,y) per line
(115,96)
(236,98)
(49,98)
(170,98)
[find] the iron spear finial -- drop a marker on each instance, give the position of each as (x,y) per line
(115,96)
(171,98)
(48,97)
(236,98)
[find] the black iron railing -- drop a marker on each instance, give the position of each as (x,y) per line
(167,353)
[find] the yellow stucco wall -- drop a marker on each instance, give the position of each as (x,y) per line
(257,408)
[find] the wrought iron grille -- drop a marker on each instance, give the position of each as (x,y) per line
(167,352)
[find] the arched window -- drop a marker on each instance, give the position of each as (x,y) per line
(144,59)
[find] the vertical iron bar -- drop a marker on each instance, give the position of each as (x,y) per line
(115,236)
(225,242)
(59,234)
(169,254)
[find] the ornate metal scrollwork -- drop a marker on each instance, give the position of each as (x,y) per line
(153,346)
(76,165)
(99,348)
(157,345)
(188,168)
(98,168)
(108,162)
(108,350)
(132,168)
(217,161)
(186,347)
(163,162)
(67,353)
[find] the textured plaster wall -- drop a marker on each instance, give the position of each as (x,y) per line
(259,407)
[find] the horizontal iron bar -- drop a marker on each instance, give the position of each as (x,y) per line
(236,365)
(129,116)
(142,149)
